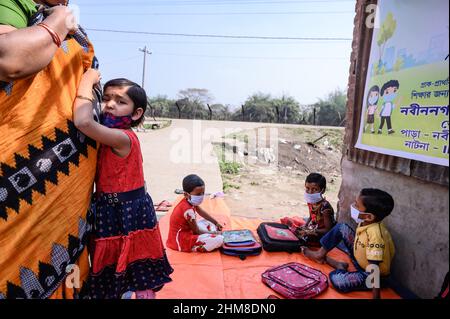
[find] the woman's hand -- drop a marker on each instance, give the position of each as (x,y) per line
(65,16)
(16,62)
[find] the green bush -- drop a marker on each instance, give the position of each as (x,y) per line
(231,168)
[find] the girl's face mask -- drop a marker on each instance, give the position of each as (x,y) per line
(313,198)
(120,122)
(196,200)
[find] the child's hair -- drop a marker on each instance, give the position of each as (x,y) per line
(377,202)
(391,83)
(317,179)
(191,182)
(374,88)
(134,92)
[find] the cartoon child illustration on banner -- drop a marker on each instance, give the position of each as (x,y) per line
(372,105)
(389,92)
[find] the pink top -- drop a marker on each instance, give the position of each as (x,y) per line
(116,174)
(371,109)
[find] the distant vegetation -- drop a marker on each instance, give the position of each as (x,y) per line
(197,104)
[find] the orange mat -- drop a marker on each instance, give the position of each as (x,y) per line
(216,276)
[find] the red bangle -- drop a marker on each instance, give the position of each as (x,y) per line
(54,35)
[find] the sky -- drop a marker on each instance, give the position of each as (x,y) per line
(231,69)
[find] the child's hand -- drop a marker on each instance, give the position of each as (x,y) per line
(219,227)
(92,76)
(300,232)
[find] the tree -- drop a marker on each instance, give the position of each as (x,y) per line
(162,107)
(386,32)
(196,100)
(220,112)
(288,109)
(331,110)
(399,64)
(259,108)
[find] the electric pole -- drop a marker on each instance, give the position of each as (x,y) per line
(145,58)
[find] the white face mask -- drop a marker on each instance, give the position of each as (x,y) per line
(313,198)
(196,200)
(355,214)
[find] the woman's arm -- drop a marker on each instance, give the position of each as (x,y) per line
(24,52)
(84,119)
(208,217)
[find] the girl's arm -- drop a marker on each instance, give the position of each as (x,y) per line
(194,227)
(84,119)
(208,217)
(328,221)
(24,52)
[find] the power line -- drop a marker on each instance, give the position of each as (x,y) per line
(250,57)
(216,43)
(221,36)
(214,3)
(217,13)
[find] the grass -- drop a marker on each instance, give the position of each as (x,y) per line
(227,169)
(230,168)
(227,186)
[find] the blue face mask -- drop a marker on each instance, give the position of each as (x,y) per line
(373,100)
(390,97)
(196,200)
(120,122)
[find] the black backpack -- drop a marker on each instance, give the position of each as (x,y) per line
(276,245)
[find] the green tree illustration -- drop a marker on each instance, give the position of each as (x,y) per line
(386,32)
(399,64)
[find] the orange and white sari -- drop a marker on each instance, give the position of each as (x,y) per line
(47,169)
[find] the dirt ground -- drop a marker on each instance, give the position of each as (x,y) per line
(256,188)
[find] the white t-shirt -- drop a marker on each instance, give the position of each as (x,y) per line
(387,109)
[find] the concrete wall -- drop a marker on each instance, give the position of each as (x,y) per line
(419,224)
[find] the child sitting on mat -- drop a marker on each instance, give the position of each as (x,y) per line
(185,233)
(321,213)
(371,245)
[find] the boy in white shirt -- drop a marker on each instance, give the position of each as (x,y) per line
(389,94)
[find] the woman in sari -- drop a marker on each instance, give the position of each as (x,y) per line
(47,167)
